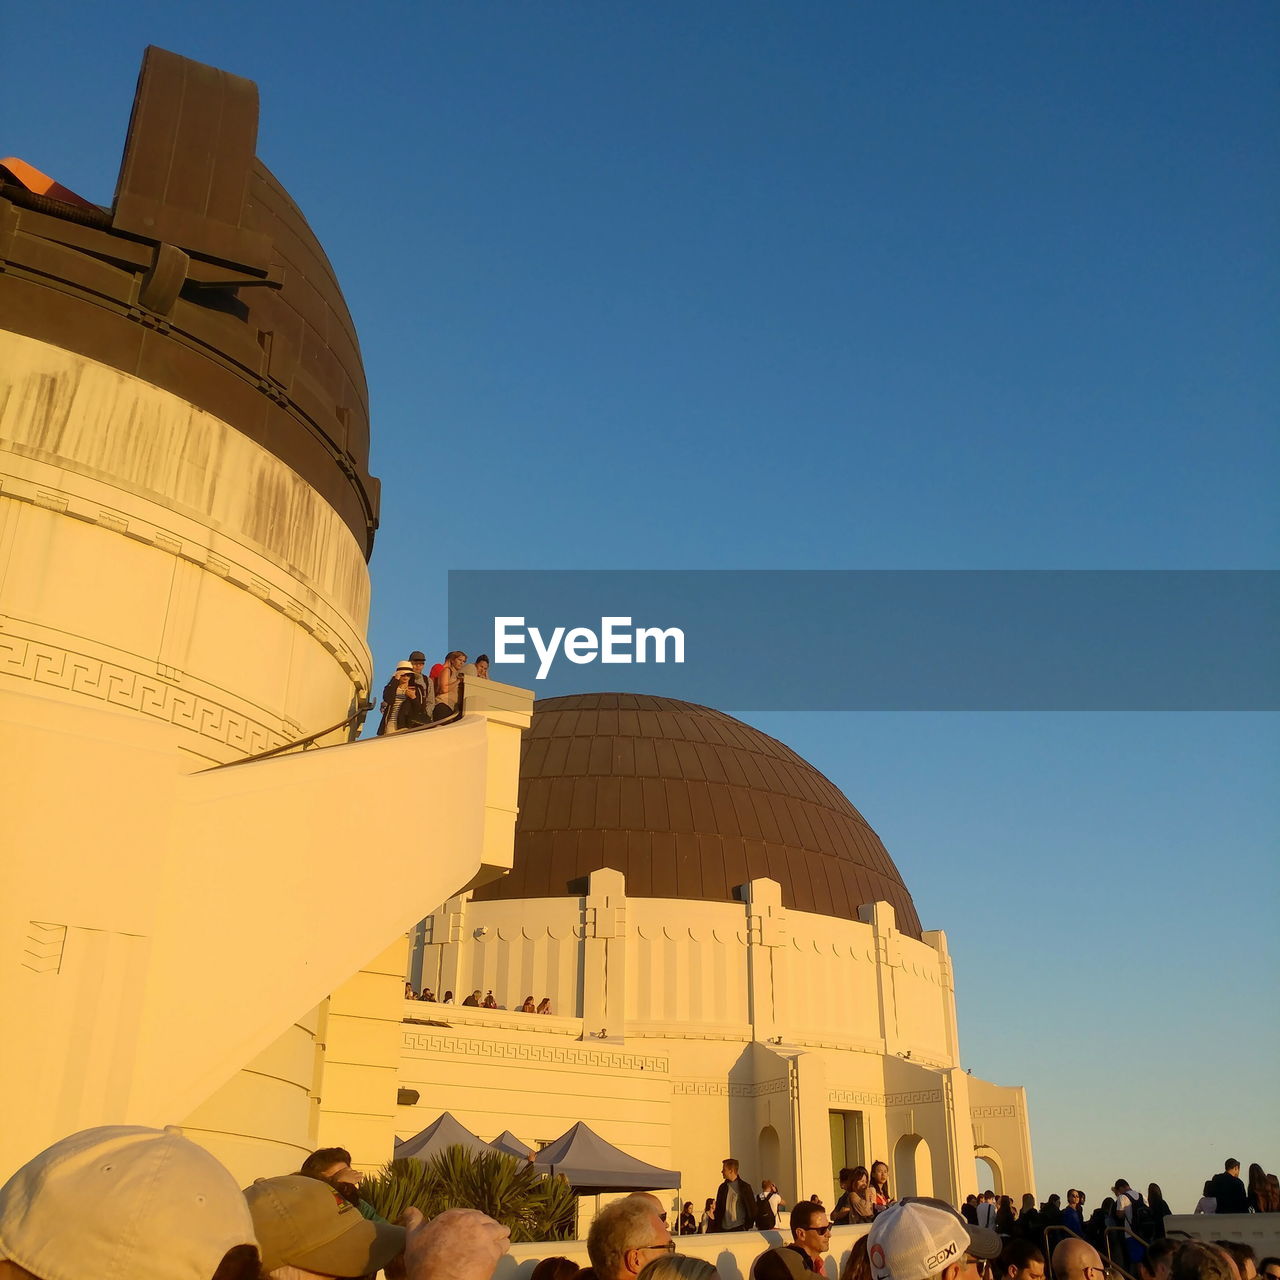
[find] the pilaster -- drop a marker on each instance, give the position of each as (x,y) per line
(604,958)
(883,921)
(766,932)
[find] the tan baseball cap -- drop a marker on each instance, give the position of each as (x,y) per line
(122,1202)
(302,1222)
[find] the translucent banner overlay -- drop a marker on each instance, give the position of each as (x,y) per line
(879,640)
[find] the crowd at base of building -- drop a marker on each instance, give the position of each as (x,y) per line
(152,1205)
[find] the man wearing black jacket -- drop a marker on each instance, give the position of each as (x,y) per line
(735,1201)
(1229,1190)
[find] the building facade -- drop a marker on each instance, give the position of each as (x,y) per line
(195,930)
(703,1014)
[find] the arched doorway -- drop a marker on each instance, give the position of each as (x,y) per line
(988,1171)
(770,1148)
(912,1167)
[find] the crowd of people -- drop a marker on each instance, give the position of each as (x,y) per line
(149,1204)
(415,697)
(1126,1227)
(916,1238)
(476,1001)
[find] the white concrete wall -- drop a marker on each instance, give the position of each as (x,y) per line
(155,560)
(1259,1230)
(732,1028)
(172,596)
(170,927)
(1001,1133)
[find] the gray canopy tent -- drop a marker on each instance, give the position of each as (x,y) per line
(510,1145)
(591,1165)
(437,1137)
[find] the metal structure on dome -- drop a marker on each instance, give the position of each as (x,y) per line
(203,278)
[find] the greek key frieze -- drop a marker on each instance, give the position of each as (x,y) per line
(912,1099)
(858,1097)
(723,1089)
(139,691)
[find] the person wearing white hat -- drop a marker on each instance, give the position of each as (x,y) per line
(407,701)
(924,1239)
(121,1200)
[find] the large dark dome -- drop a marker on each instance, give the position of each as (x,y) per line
(687,803)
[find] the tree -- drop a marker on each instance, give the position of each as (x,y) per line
(533,1205)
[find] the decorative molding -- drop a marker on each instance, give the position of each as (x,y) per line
(723,1089)
(861,1098)
(875,1046)
(1008,1112)
(467,1047)
(153,535)
(914,1098)
(455,1016)
(701,1088)
(143,692)
(665,1030)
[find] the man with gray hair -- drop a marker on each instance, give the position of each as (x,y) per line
(625,1236)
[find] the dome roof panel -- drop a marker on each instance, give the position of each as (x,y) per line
(686,802)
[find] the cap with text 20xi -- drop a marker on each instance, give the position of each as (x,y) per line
(918,1238)
(302,1222)
(124,1201)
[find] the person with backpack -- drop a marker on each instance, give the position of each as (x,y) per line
(1132,1212)
(768,1206)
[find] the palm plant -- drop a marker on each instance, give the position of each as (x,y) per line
(533,1205)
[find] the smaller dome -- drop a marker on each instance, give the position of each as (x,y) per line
(690,803)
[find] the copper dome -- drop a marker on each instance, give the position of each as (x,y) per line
(686,802)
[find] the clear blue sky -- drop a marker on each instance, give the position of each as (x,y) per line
(835,285)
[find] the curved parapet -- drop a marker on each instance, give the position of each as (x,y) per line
(194,918)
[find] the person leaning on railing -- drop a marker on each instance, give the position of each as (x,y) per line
(447,683)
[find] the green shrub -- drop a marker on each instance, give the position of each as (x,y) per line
(533,1205)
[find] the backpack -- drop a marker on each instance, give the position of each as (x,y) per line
(1142,1222)
(766,1219)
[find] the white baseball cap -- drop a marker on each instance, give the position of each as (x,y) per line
(915,1239)
(122,1202)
